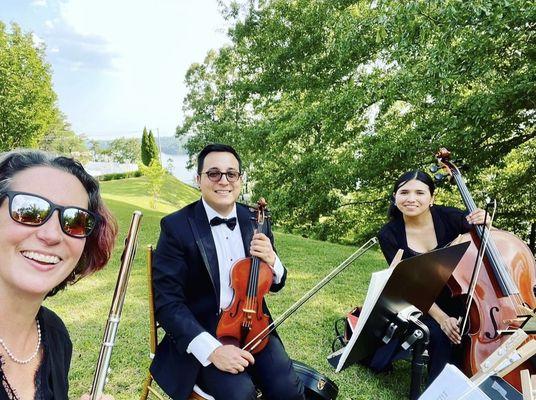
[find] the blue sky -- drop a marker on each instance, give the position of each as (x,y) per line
(119,65)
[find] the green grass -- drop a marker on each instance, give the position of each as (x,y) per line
(307,334)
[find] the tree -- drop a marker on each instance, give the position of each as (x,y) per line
(155,174)
(61,139)
(149,148)
(95,148)
(123,150)
(154,151)
(331,100)
(145,157)
(27,99)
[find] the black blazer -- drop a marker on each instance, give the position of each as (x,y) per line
(58,351)
(187,291)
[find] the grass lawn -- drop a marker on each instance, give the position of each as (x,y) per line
(307,334)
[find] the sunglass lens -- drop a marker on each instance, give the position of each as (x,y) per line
(29,210)
(214,176)
(77,222)
(232,176)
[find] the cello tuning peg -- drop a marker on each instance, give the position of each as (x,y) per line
(439,177)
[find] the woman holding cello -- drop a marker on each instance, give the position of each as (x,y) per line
(417,226)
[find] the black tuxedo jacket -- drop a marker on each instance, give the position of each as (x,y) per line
(187,291)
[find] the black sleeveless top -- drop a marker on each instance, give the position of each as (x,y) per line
(449,222)
(51,377)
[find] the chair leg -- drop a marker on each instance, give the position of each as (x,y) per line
(145,388)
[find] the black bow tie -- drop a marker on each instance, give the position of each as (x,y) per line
(230,222)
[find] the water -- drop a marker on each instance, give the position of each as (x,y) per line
(179,169)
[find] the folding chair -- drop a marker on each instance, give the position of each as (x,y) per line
(147,388)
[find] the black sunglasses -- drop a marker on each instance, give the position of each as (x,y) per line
(215,175)
(33,210)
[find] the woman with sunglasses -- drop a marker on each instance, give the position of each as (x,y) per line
(54,230)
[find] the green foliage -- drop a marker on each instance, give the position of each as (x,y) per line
(119,175)
(330,101)
(27,99)
(149,148)
(145,157)
(61,139)
(124,150)
(155,174)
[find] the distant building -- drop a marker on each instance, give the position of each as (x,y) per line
(97,168)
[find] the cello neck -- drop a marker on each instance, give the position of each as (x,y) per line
(507,285)
(464,192)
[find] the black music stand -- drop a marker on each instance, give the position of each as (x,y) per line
(416,281)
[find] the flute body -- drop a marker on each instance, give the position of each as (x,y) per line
(114,317)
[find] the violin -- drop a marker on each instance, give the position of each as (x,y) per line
(503,289)
(251,279)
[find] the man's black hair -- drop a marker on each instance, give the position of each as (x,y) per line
(216,147)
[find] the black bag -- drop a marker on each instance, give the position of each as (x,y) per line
(317,386)
(342,336)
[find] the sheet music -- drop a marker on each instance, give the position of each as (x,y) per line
(377,283)
(452,384)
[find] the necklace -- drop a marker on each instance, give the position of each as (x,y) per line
(18,360)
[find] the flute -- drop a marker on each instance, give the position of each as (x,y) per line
(110,332)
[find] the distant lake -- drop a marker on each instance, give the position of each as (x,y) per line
(179,168)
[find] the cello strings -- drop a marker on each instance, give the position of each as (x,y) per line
(481,252)
(500,271)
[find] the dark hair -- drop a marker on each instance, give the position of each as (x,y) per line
(99,244)
(216,147)
(394,212)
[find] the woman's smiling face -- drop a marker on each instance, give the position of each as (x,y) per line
(413,198)
(35,259)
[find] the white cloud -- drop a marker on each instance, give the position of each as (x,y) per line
(38,42)
(39,3)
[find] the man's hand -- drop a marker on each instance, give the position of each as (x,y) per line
(261,247)
(231,359)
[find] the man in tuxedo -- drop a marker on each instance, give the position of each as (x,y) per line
(197,247)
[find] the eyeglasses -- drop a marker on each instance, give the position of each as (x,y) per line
(215,175)
(30,209)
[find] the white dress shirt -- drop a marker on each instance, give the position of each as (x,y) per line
(229,248)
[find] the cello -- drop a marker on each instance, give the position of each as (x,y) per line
(504,288)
